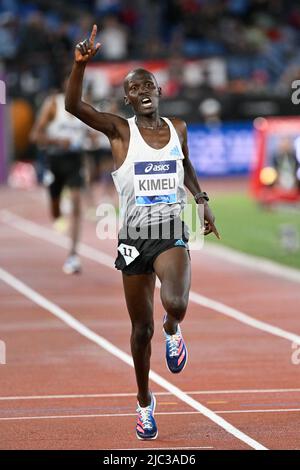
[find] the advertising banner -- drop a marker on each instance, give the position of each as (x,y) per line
(276,173)
(222,149)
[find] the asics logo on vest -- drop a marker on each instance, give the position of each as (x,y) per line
(154,168)
(157,168)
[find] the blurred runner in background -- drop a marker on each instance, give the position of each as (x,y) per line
(98,162)
(61,136)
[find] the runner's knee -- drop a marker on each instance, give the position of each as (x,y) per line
(76,207)
(76,210)
(176,306)
(142,334)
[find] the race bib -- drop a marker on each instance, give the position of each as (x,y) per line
(155,182)
(128,252)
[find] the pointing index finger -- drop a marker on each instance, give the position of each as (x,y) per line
(93,35)
(214,229)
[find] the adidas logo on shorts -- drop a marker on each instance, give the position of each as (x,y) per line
(180,243)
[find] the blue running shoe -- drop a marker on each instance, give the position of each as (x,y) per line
(176,351)
(146,426)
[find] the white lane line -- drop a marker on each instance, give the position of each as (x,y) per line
(253,262)
(133,394)
(130,415)
(243,317)
(35,230)
(111,348)
(253,390)
(91,395)
(275,410)
(43,233)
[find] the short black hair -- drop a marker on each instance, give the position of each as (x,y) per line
(138,71)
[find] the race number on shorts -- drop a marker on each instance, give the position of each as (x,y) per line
(128,252)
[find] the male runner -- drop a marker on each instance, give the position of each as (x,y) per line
(61,136)
(152,166)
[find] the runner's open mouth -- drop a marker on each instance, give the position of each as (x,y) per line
(146,102)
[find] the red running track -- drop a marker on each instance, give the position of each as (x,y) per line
(60,390)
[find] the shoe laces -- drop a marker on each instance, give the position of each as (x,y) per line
(145,416)
(173,341)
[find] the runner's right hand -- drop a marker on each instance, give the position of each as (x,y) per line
(86,49)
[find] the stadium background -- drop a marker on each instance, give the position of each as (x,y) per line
(221,64)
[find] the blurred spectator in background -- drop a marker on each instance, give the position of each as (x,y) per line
(8,36)
(231,51)
(113,36)
(210,111)
(175,81)
(286,165)
(35,49)
(257,38)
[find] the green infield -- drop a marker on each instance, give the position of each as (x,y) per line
(247,227)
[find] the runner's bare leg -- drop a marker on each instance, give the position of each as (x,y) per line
(173,269)
(139,294)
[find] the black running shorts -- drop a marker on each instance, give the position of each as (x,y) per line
(67,170)
(139,247)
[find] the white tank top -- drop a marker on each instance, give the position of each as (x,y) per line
(66,126)
(150,182)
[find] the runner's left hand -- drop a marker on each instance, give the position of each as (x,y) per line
(208,223)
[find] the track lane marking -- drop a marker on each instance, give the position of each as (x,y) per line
(274,410)
(159,413)
(51,307)
(253,262)
(133,394)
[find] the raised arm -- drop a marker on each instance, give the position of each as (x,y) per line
(107,123)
